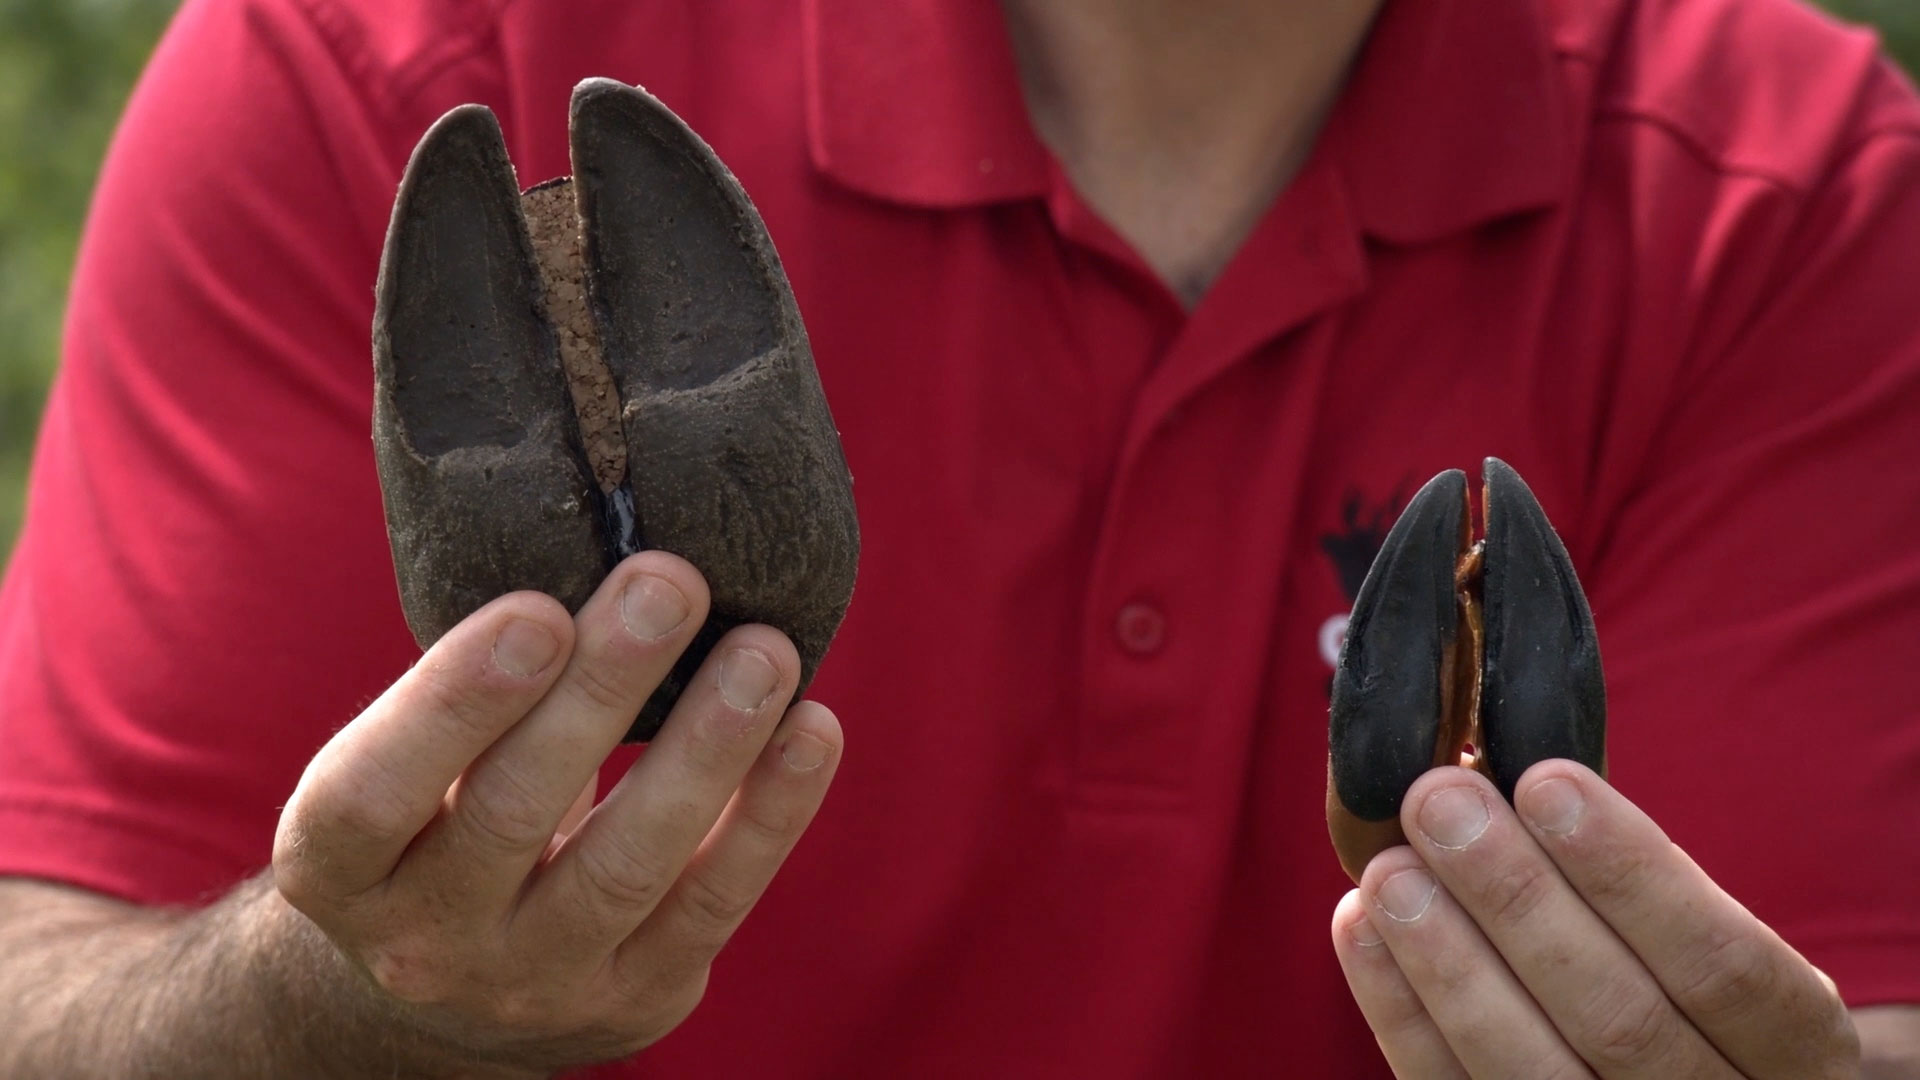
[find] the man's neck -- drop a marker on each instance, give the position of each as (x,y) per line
(1180,121)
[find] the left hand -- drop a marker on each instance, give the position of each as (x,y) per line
(1571,939)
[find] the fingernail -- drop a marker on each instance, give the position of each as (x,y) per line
(651,607)
(1454,817)
(746,679)
(1405,895)
(803,752)
(1554,806)
(1362,932)
(524,648)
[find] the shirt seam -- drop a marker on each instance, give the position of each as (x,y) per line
(1723,164)
(397,86)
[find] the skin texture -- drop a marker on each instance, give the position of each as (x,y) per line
(1181,122)
(1571,938)
(445,900)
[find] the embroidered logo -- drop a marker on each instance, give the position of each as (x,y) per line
(1352,549)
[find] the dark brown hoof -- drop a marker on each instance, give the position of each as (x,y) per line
(605,365)
(1457,652)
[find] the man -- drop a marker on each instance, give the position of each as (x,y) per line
(1139,321)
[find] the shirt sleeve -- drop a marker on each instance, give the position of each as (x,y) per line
(202,592)
(1762,581)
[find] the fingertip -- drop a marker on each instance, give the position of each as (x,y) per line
(1350,923)
(1348,907)
(815,718)
(1385,865)
(664,575)
(1363,933)
(521,636)
(665,564)
(1432,815)
(525,648)
(809,738)
(770,642)
(1555,768)
(1434,781)
(526,604)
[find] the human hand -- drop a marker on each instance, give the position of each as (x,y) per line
(1571,939)
(447,843)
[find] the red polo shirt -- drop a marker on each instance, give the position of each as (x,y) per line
(1661,256)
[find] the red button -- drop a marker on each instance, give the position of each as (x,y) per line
(1141,628)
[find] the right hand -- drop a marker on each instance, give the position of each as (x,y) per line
(446,840)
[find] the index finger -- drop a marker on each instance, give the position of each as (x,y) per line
(382,778)
(1761,1003)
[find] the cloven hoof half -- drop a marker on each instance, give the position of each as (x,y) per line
(1457,652)
(609,363)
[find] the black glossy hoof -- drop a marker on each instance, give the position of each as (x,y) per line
(604,365)
(1460,651)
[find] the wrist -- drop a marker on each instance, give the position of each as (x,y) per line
(333,1015)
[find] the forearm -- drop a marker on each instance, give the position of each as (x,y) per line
(91,987)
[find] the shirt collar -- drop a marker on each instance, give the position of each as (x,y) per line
(1454,116)
(919,102)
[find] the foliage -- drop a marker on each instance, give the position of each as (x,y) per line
(1897,20)
(66,67)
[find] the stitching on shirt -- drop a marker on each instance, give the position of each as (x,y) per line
(395,86)
(1704,367)
(1720,163)
(356,64)
(1608,109)
(1687,139)
(349,49)
(429,66)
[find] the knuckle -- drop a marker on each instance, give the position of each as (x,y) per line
(410,971)
(714,907)
(1628,1026)
(717,744)
(292,867)
(374,808)
(600,687)
(770,823)
(1514,892)
(630,876)
(1400,1014)
(1620,881)
(460,705)
(1456,974)
(356,808)
(302,883)
(501,810)
(1729,973)
(372,820)
(297,884)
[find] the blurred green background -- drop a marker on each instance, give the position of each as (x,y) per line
(66,67)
